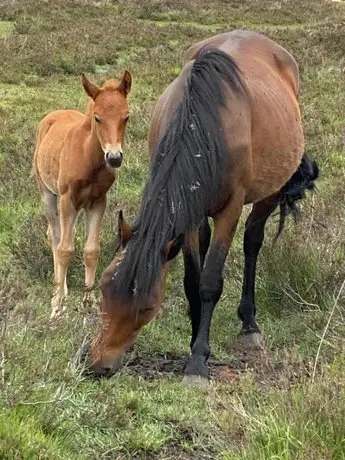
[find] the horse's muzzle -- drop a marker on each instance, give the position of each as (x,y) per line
(101,367)
(101,370)
(113,160)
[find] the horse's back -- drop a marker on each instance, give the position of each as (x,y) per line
(270,71)
(50,139)
(56,122)
(272,79)
(244,46)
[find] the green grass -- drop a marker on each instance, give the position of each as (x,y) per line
(6,28)
(259,405)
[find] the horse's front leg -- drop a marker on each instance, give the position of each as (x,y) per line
(191,259)
(93,220)
(253,238)
(194,252)
(211,287)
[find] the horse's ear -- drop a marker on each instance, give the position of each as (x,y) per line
(126,83)
(173,247)
(125,231)
(91,89)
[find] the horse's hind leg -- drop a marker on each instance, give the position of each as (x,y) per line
(50,206)
(253,238)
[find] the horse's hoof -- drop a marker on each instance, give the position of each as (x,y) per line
(89,300)
(196,381)
(86,302)
(56,313)
(253,340)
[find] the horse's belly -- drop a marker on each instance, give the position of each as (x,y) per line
(267,182)
(277,146)
(53,130)
(272,170)
(48,162)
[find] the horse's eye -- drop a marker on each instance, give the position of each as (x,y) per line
(126,119)
(97,119)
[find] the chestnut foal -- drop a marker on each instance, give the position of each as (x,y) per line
(74,163)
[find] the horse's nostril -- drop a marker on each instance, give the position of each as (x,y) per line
(101,372)
(105,369)
(114,160)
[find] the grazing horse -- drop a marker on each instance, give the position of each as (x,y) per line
(74,163)
(225,133)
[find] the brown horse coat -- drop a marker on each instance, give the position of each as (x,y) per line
(270,125)
(226,132)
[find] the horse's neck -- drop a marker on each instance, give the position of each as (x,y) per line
(89,107)
(92,148)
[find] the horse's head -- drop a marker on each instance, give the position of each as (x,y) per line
(110,114)
(122,320)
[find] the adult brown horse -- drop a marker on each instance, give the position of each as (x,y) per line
(225,133)
(74,162)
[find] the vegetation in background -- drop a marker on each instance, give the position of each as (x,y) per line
(286,402)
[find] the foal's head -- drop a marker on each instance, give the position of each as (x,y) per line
(110,114)
(122,320)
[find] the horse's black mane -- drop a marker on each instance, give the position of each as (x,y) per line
(188,169)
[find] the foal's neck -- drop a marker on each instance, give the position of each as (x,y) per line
(93,150)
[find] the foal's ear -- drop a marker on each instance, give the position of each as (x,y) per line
(91,89)
(125,231)
(126,83)
(173,247)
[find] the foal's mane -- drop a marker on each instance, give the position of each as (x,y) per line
(188,169)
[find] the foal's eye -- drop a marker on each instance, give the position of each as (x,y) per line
(126,119)
(97,119)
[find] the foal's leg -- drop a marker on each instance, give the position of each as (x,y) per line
(64,251)
(211,286)
(194,252)
(50,205)
(253,238)
(93,220)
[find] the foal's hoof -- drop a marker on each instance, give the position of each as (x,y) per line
(253,340)
(196,381)
(89,298)
(56,313)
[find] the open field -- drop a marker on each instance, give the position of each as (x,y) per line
(285,403)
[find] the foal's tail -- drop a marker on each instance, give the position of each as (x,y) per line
(294,190)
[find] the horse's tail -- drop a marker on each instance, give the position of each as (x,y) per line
(294,190)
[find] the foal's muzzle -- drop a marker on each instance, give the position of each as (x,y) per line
(112,159)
